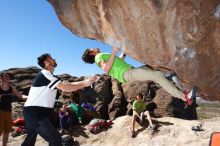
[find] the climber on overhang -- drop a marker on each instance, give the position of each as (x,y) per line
(168,73)
(124,72)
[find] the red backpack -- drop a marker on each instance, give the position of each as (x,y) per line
(97,125)
(18,122)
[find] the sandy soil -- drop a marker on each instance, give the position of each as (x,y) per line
(170,131)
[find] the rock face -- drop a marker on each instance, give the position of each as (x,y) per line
(22,78)
(117,107)
(109,97)
(159,102)
(182,35)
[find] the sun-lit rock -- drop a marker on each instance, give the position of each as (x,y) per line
(182,35)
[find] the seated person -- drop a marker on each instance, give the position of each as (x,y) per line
(65,119)
(139,108)
(76,106)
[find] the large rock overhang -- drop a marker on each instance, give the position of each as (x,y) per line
(182,35)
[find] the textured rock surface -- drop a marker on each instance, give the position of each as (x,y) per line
(170,132)
(159,102)
(166,105)
(108,96)
(117,107)
(182,35)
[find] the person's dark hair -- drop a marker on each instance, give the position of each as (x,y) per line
(42,58)
(6,73)
(75,97)
(87,57)
(140,94)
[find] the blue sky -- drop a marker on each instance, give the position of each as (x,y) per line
(30,28)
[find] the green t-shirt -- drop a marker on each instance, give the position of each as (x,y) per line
(119,66)
(139,106)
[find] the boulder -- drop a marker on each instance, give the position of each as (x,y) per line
(182,35)
(117,106)
(110,98)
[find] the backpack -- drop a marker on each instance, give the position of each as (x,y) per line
(97,125)
(88,106)
(18,122)
(19,131)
